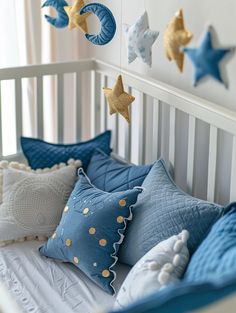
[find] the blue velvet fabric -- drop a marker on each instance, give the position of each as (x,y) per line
(163,210)
(62,19)
(91,230)
(41,154)
(111,175)
(216,256)
(107,20)
(206,59)
(185,297)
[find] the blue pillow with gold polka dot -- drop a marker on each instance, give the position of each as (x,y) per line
(91,230)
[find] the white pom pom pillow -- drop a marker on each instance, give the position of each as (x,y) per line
(32,201)
(162,265)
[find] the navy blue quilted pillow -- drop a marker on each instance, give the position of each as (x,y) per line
(216,257)
(41,154)
(111,175)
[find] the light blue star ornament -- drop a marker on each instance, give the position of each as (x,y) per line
(206,59)
(140,40)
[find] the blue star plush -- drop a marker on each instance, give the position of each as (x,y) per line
(206,59)
(140,40)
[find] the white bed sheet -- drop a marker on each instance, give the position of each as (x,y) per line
(41,285)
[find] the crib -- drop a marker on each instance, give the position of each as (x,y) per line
(196,138)
(166,122)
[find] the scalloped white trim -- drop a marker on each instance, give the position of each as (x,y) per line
(23,167)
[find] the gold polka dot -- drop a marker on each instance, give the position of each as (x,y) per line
(76,260)
(122,202)
(68,242)
(86,211)
(120,219)
(54,236)
(105,273)
(103,242)
(92,230)
(66,209)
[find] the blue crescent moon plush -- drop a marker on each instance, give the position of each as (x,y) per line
(108,23)
(62,19)
(206,59)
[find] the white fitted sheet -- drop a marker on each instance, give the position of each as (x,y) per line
(41,285)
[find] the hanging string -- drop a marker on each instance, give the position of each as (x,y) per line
(121,31)
(145,5)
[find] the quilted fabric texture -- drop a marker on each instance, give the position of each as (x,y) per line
(108,23)
(217,254)
(32,203)
(91,230)
(164,210)
(162,265)
(111,175)
(41,154)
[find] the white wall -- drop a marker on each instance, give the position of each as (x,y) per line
(198,14)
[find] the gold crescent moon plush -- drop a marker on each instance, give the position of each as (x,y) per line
(176,36)
(118,99)
(75,19)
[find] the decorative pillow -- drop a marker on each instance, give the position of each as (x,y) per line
(217,254)
(163,210)
(32,202)
(162,265)
(111,175)
(41,154)
(216,296)
(91,231)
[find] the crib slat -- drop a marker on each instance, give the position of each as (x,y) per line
(191,150)
(212,164)
(142,128)
(60,107)
(79,119)
(155,123)
(40,124)
(95,103)
(128,132)
(233,171)
(172,136)
(104,82)
(19,126)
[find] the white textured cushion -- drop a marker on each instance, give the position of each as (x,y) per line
(162,265)
(32,201)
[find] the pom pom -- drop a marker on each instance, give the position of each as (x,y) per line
(185,235)
(153,266)
(30,238)
(168,267)
(22,166)
(78,163)
(20,239)
(41,238)
(71,162)
(177,260)
(39,171)
(61,165)
(178,246)
(163,277)
(4,164)
(14,165)
(46,170)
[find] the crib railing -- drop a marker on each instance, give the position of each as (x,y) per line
(166,122)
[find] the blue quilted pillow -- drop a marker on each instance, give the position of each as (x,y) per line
(91,230)
(163,210)
(41,154)
(111,175)
(216,256)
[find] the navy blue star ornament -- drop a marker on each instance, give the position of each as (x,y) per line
(206,59)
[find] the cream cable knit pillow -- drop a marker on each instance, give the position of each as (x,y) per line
(32,201)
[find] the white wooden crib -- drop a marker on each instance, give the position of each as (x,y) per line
(196,137)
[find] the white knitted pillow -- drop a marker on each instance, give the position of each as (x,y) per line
(162,265)
(33,201)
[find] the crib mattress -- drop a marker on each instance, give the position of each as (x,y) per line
(41,285)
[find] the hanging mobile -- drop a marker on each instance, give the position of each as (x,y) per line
(119,100)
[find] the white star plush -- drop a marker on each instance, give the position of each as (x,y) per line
(140,39)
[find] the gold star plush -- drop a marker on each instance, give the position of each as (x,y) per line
(176,36)
(118,99)
(75,19)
